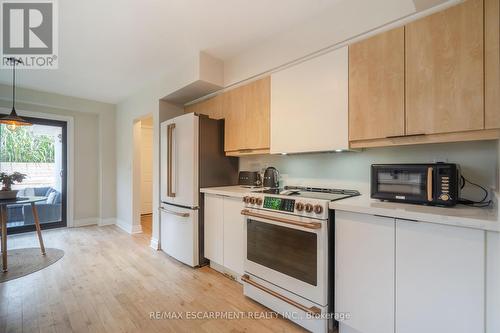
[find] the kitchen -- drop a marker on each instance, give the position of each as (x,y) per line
(380,117)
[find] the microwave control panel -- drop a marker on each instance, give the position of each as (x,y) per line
(447,184)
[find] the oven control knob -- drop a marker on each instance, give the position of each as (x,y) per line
(252,200)
(309,208)
(258,201)
(318,209)
(299,206)
(246,199)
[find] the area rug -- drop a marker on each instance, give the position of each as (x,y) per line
(22,262)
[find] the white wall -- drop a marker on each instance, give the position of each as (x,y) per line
(94,148)
(479,162)
(345,20)
(145,103)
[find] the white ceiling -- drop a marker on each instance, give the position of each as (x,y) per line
(108,49)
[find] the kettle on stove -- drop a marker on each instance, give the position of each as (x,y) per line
(271,178)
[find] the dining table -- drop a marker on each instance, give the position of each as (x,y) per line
(4,203)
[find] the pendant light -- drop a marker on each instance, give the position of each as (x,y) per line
(13,121)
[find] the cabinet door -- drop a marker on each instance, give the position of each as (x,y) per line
(439,278)
(213,227)
(246,111)
(376,86)
(364,272)
(211,107)
(234,233)
(309,105)
(492,63)
(444,71)
(492,282)
(234,110)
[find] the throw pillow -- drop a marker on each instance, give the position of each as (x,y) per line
(51,198)
(29,192)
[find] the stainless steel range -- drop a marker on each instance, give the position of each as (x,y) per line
(288,252)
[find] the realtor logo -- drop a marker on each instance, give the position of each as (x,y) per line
(29,33)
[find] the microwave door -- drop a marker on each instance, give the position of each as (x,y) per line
(406,184)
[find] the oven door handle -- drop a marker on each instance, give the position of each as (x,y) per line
(312,310)
(307,225)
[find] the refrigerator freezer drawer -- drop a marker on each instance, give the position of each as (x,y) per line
(179,234)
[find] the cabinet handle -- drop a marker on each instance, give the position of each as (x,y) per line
(429,184)
(171,212)
(404,136)
(311,310)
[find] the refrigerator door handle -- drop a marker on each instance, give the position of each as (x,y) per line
(170,132)
(174,213)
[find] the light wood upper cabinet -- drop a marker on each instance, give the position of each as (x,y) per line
(211,107)
(444,71)
(492,63)
(376,86)
(247,112)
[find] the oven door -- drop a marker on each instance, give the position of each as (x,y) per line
(288,251)
(407,183)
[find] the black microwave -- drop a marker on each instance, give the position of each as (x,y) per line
(432,184)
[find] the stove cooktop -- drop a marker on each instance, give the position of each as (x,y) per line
(312,192)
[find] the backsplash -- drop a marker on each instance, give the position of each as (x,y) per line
(478,160)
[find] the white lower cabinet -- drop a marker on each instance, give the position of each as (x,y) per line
(440,276)
(224,232)
(492,282)
(405,276)
(364,272)
(213,228)
(234,233)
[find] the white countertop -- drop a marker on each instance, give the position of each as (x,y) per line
(460,215)
(230,191)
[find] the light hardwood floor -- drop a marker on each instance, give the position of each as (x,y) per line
(146,224)
(109,281)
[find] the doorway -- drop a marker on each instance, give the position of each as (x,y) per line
(144,150)
(40,152)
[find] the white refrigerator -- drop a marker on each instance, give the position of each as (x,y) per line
(192,156)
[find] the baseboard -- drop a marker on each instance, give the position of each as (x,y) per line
(131,229)
(85,222)
(107,221)
(155,244)
(225,271)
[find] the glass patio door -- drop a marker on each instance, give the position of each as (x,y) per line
(39,152)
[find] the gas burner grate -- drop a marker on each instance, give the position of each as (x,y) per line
(323,190)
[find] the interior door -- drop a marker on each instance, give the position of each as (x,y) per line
(179,160)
